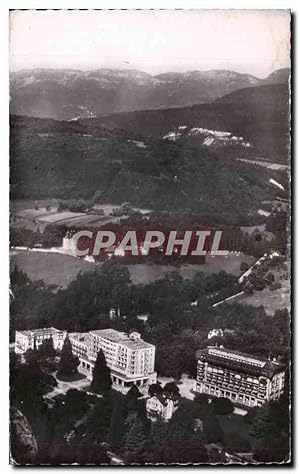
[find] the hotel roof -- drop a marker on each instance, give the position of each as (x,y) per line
(83,337)
(122,338)
(240,361)
(40,332)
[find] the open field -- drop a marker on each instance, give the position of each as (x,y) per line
(270,300)
(59,269)
(25,214)
(265,164)
(52,268)
(144,273)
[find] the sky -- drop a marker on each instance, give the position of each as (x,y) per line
(247,41)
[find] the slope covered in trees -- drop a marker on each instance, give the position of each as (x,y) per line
(161,175)
(259,114)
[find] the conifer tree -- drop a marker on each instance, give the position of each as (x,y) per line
(132,397)
(261,422)
(117,422)
(68,362)
(136,439)
(101,382)
(47,348)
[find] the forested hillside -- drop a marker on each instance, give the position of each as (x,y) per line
(52,159)
(259,114)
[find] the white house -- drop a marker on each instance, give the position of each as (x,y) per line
(161,406)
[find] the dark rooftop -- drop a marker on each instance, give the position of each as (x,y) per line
(244,362)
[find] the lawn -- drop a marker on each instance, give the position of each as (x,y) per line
(26,214)
(145,273)
(270,300)
(61,270)
(70,378)
(52,268)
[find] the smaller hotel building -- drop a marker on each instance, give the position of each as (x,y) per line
(243,378)
(162,407)
(34,338)
(129,357)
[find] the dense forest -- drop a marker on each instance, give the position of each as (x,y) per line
(57,160)
(175,327)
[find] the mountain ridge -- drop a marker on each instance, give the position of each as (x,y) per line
(65,94)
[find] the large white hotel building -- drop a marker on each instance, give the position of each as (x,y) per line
(243,378)
(130,359)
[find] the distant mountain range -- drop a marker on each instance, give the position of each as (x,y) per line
(72,94)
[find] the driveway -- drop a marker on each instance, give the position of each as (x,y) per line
(185,387)
(63,387)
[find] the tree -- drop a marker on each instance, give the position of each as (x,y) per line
(155,389)
(19,280)
(269,278)
(236,443)
(271,428)
(182,423)
(244,267)
(62,206)
(47,348)
(157,442)
(261,423)
(193,452)
(251,414)
(32,359)
(132,397)
(101,382)
(68,362)
(201,399)
(171,389)
(212,430)
(76,402)
(135,440)
(98,195)
(276,450)
(223,406)
(117,421)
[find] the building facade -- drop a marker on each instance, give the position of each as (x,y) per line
(34,338)
(80,342)
(130,359)
(244,379)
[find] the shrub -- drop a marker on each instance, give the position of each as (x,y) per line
(222,406)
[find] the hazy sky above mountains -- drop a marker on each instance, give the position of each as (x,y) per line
(248,41)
